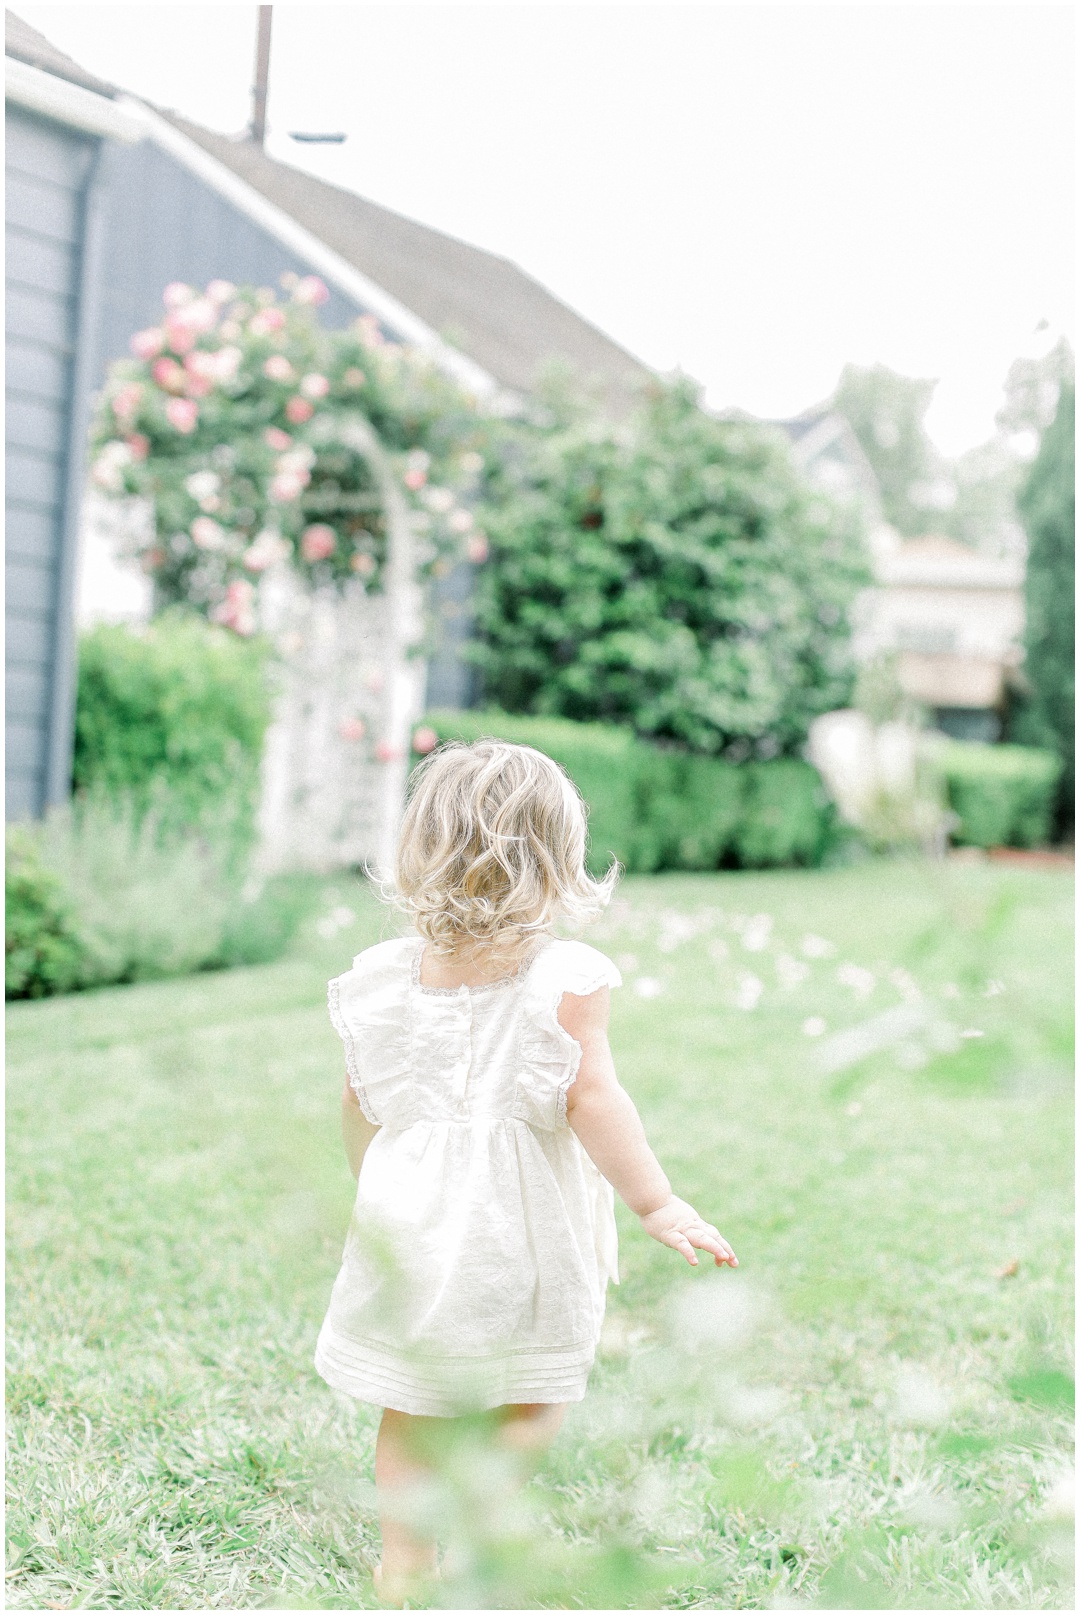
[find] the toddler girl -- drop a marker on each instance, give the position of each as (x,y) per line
(485,1123)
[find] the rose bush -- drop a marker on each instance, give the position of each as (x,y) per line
(232,419)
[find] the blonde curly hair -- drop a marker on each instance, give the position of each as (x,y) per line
(492,849)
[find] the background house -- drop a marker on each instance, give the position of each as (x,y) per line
(109,200)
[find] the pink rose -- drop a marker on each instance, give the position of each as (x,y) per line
(201,370)
(354,377)
(277,439)
(220,291)
(236,611)
(139,445)
(415,479)
(152,559)
(267,550)
(266,321)
(363,563)
(182,413)
(169,375)
(385,752)
(127,400)
(424,740)
(478,549)
(353,729)
(310,290)
(314,386)
(200,316)
(288,485)
(176,294)
(207,534)
(367,329)
(298,410)
(318,542)
(148,344)
(278,368)
(180,337)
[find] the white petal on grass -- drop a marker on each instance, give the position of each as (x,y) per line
(972,1031)
(861,981)
(342,917)
(854,1109)
(756,933)
(648,987)
(816,947)
(749,991)
(906,985)
(814,1026)
(992,989)
(791,971)
(847,1048)
(1060,1500)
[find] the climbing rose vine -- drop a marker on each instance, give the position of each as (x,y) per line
(236,420)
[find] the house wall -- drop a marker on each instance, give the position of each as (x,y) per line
(49,168)
(165,224)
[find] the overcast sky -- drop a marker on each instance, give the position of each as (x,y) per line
(754,193)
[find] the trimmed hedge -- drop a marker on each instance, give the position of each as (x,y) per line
(1004,796)
(172,717)
(656,809)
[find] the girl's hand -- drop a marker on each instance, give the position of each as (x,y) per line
(678,1225)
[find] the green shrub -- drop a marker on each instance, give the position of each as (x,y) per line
(43,953)
(102,893)
(1003,795)
(172,717)
(655,809)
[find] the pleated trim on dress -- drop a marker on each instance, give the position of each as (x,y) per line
(442,1387)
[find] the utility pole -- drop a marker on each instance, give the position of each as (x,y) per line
(262,76)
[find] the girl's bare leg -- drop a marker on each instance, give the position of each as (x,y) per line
(408,1559)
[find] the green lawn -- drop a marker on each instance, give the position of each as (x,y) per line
(873,1411)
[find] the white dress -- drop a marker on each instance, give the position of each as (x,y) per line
(483,1238)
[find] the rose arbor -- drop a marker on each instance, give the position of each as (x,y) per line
(301,483)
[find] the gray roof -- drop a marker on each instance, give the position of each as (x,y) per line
(27,45)
(481,303)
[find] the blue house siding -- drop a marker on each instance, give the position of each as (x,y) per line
(49,170)
(163,223)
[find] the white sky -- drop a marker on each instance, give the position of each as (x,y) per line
(755,193)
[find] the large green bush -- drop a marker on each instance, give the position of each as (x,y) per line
(101,893)
(654,808)
(43,953)
(1003,796)
(173,716)
(674,577)
(1047,504)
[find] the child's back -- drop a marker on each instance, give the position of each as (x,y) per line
(483,1237)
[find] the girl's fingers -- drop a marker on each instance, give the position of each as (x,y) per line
(707,1239)
(679,1242)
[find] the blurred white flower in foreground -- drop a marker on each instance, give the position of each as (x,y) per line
(1060,1501)
(813,1026)
(716,1312)
(919,1399)
(816,947)
(337,920)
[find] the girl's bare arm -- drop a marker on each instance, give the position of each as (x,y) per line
(356,1130)
(606,1121)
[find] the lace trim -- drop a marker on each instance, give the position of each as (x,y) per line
(485,986)
(356,1081)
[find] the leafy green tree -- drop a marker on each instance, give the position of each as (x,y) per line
(1047,505)
(673,575)
(886,411)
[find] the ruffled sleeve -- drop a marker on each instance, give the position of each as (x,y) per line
(369,1011)
(550,1056)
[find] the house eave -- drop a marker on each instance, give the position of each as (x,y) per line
(64,102)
